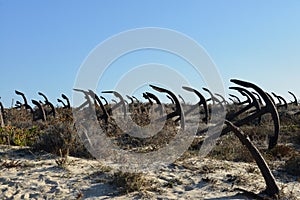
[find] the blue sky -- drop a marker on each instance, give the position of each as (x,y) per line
(44,43)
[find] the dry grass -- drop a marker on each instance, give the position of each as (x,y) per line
(61,137)
(230,148)
(63,161)
(11,164)
(292,165)
(282,152)
(127,182)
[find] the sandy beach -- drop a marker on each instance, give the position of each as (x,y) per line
(37,175)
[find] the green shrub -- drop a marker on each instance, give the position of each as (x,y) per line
(11,135)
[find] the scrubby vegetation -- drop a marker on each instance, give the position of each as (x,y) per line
(59,136)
